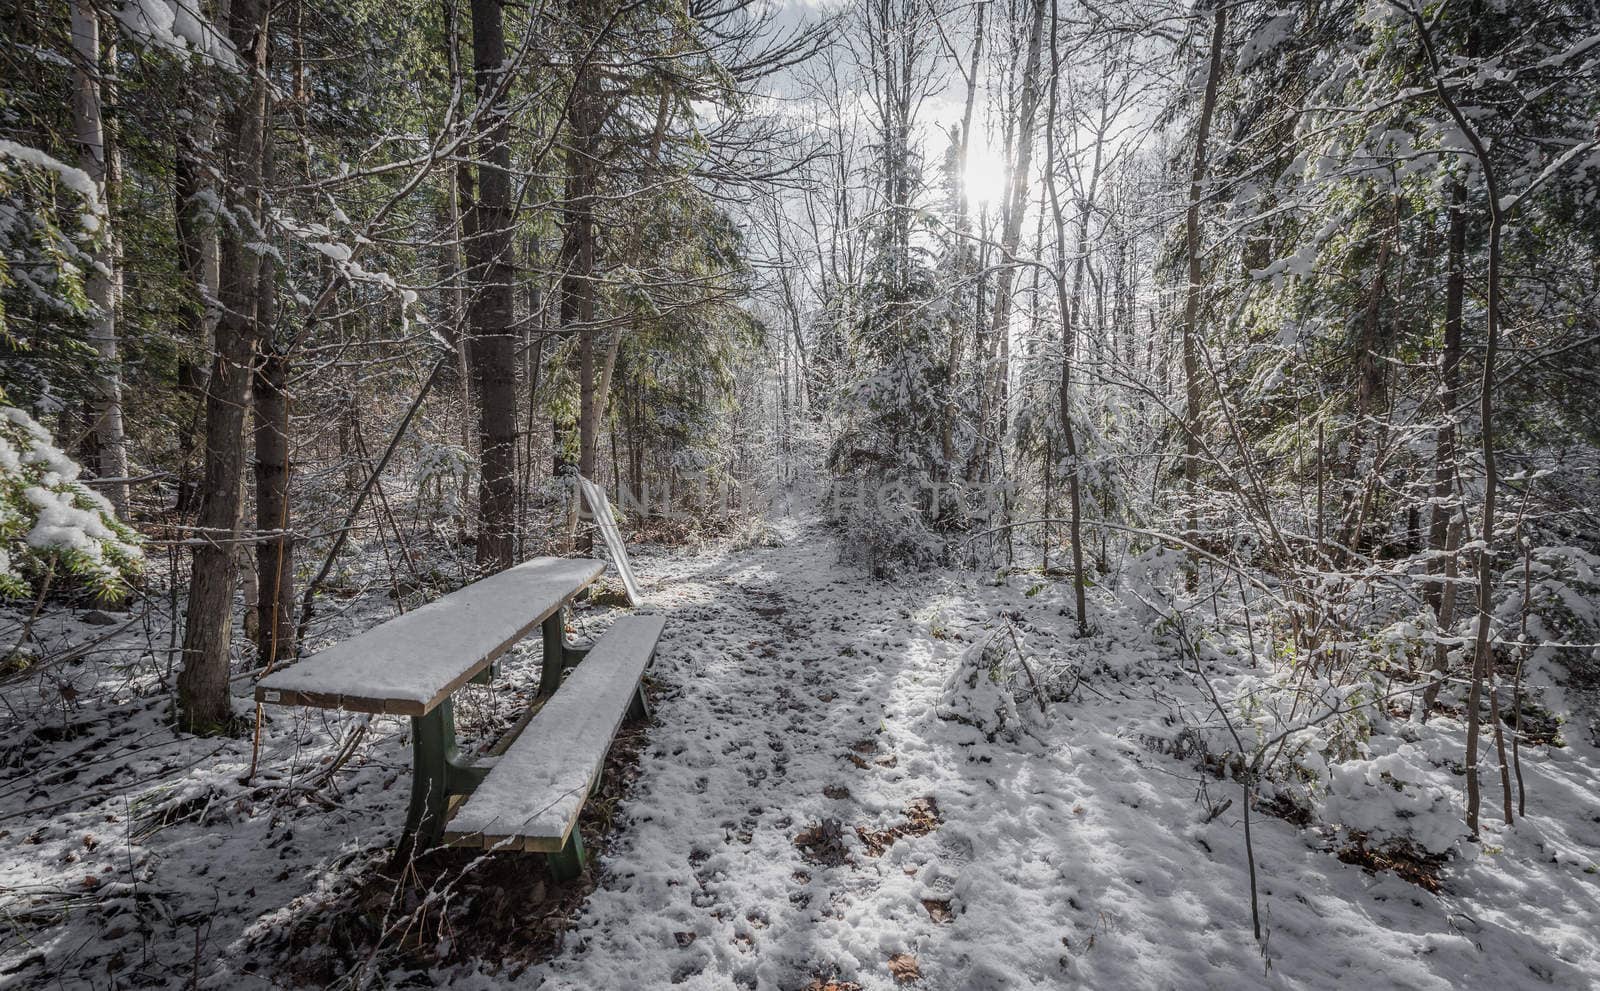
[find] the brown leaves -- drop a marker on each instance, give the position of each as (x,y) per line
(938,910)
(823,843)
(1409,864)
(904,968)
(922,818)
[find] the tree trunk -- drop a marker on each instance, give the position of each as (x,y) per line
(199,260)
(1191,305)
(947,426)
(1450,375)
(492,349)
(1011,228)
(94,155)
(1069,311)
(1482,652)
(578,266)
(274,556)
(203,703)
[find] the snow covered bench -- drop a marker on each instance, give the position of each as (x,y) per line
(531,798)
(413,664)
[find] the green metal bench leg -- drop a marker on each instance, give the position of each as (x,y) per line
(558,654)
(555,660)
(433,742)
(639,708)
(437,773)
(568,864)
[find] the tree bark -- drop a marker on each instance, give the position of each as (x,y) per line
(1449,390)
(1482,652)
(1011,228)
(578,258)
(274,562)
(492,345)
(94,155)
(203,703)
(1068,307)
(199,259)
(1191,305)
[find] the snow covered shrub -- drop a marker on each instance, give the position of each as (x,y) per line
(1146,578)
(1320,747)
(1563,605)
(757,533)
(994,690)
(887,532)
(53,524)
(441,473)
(1396,798)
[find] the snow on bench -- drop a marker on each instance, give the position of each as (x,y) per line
(531,799)
(413,662)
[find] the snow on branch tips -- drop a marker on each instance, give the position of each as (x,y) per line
(73,178)
(52,524)
(177,26)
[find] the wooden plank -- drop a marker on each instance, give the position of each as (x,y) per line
(410,664)
(600,509)
(532,797)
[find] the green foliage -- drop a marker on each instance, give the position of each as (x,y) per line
(52,524)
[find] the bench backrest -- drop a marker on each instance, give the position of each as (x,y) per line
(600,508)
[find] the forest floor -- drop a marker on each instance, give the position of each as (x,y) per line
(802,812)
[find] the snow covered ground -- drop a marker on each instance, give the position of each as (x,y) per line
(803,816)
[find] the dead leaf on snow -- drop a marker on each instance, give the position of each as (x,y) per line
(938,911)
(922,818)
(823,843)
(904,968)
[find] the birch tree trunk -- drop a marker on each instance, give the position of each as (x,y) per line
(94,155)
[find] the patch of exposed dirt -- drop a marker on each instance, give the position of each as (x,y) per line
(1409,864)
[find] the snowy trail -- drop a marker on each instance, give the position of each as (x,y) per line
(798,700)
(798,691)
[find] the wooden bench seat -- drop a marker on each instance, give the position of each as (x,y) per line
(412,663)
(530,799)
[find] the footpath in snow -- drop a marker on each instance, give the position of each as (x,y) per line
(801,817)
(804,815)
